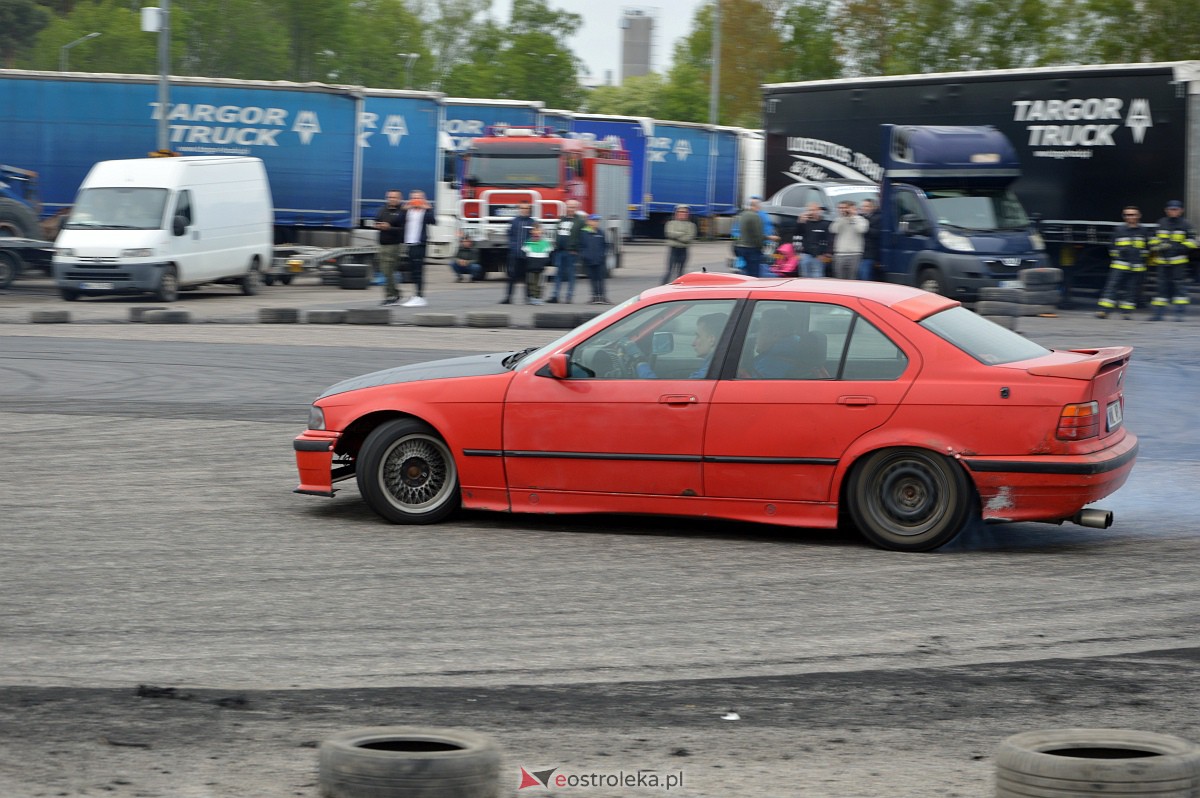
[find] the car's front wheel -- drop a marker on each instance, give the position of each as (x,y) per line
(407,474)
(909,499)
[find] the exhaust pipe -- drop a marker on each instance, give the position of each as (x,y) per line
(1098,519)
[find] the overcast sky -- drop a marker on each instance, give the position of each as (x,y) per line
(598,42)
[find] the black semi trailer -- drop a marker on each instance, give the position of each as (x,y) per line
(1090,140)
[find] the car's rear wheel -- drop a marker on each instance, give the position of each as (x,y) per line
(407,473)
(909,499)
(252,279)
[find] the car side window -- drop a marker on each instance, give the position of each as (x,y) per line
(790,340)
(183,206)
(670,340)
(794,197)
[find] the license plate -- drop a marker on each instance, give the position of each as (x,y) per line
(1011,284)
(295,267)
(97,286)
(1114,416)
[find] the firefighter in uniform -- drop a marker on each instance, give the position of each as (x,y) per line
(1129,248)
(1172,243)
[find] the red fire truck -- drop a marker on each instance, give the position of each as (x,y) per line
(509,165)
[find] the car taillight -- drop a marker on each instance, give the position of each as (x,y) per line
(1080,421)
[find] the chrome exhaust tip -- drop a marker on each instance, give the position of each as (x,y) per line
(1097,519)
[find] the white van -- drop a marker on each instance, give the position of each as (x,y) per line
(158,224)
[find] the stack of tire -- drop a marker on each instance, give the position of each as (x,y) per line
(1038,294)
(354,275)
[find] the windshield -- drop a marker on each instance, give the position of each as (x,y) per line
(119,209)
(978,209)
(530,355)
(855,194)
(981,339)
(510,171)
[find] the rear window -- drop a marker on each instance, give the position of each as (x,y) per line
(981,339)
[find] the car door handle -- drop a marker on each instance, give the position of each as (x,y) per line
(678,399)
(856,401)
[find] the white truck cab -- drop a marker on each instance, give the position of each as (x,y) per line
(154,225)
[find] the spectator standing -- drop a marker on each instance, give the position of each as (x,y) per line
(1173,241)
(680,233)
(466,261)
(1129,249)
(751,237)
(537,256)
(848,231)
(812,235)
(518,234)
(390,224)
(593,248)
(418,218)
(566,252)
(869,267)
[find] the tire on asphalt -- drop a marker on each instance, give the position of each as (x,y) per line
(551,320)
(909,499)
(368,316)
(989,307)
(17,221)
(486,318)
(68,294)
(1041,276)
(390,761)
(997,294)
(168,285)
(325,317)
(354,270)
(138,314)
(278,315)
(354,283)
(1058,762)
(11,266)
(1040,296)
(434,319)
(167,317)
(285,279)
(407,473)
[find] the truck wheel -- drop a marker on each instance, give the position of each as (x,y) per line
(930,279)
(908,499)
(168,285)
(11,265)
(398,760)
(17,221)
(251,280)
(268,279)
(407,473)
(285,279)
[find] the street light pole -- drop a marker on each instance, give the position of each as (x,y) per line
(158,20)
(62,51)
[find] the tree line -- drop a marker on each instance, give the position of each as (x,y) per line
(458,47)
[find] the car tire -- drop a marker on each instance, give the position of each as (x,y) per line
(278,315)
(268,279)
(909,499)
(1041,276)
(997,294)
(487,318)
(285,279)
(1056,762)
(930,279)
(17,221)
(354,270)
(11,265)
(252,280)
(168,285)
(325,317)
(354,283)
(399,760)
(68,294)
(407,473)
(989,307)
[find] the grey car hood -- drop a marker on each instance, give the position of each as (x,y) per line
(470,366)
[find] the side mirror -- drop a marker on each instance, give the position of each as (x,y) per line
(913,225)
(179,225)
(663,343)
(560,365)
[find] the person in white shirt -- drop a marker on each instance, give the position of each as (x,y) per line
(418,218)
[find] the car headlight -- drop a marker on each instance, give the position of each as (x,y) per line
(1039,243)
(137,253)
(955,241)
(64,252)
(316,418)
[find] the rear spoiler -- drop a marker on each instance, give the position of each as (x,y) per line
(1105,358)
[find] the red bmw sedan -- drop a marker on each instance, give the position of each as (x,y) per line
(807,403)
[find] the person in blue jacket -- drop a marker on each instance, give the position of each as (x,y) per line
(593,250)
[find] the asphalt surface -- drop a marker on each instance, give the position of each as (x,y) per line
(151,538)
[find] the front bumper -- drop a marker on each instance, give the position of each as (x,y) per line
(1049,488)
(108,276)
(314,459)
